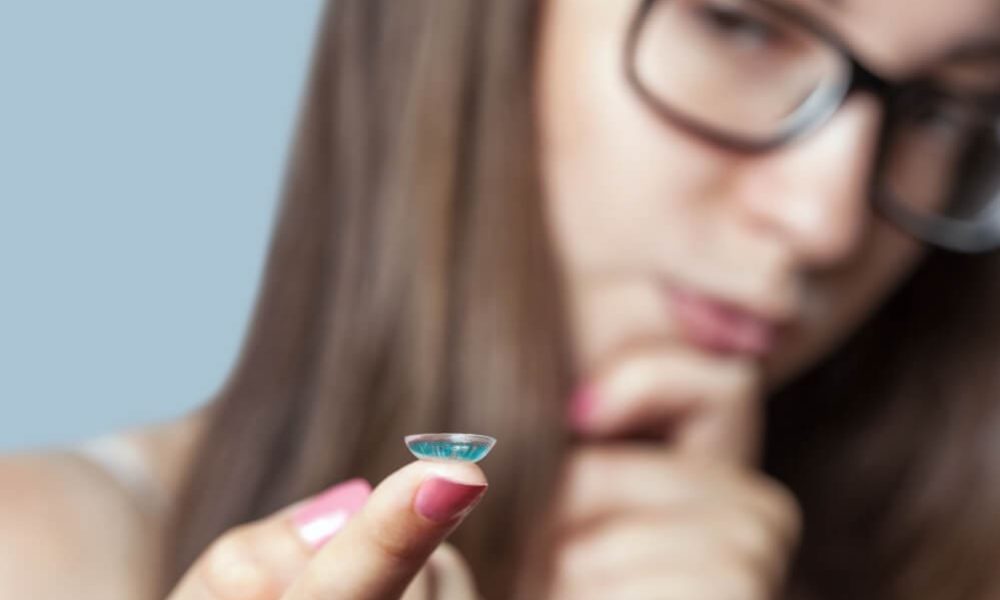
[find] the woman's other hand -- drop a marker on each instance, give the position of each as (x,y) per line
(686,516)
(349,542)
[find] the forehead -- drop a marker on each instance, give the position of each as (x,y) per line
(901,35)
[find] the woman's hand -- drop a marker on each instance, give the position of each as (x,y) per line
(349,542)
(687,517)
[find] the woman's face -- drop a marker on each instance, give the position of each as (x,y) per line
(773,256)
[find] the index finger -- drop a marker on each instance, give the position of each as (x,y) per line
(703,404)
(385,545)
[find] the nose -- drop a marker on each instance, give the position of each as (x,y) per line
(813,193)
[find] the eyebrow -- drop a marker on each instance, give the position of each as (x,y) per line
(986,48)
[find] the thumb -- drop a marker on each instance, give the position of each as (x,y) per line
(381,549)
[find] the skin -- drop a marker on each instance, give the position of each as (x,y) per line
(636,204)
(633,204)
(788,234)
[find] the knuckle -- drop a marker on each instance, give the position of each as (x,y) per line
(746,586)
(568,560)
(580,554)
(569,582)
(591,461)
(230,570)
(629,378)
(786,512)
(588,470)
(751,536)
(740,581)
(741,380)
(738,382)
(757,551)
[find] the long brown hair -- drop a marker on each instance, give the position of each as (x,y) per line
(892,446)
(411,286)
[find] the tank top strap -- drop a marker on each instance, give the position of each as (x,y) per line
(125,462)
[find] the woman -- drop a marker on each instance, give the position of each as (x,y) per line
(692,262)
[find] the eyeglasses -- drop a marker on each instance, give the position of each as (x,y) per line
(751,75)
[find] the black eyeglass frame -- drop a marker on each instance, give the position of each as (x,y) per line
(939,231)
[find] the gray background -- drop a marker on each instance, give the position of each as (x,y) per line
(141,149)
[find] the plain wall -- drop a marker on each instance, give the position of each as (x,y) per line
(142,146)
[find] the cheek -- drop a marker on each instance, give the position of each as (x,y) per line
(616,177)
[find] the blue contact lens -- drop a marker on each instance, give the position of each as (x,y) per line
(468,447)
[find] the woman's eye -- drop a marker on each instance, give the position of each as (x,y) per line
(739,26)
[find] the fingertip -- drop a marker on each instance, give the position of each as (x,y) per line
(442,500)
(407,515)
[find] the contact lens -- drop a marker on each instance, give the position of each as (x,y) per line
(468,447)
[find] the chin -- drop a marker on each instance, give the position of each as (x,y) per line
(791,360)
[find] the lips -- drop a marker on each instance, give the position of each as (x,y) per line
(721,326)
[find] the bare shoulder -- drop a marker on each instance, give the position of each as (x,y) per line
(71,529)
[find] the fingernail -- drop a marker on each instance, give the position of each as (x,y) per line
(318,520)
(581,406)
(441,500)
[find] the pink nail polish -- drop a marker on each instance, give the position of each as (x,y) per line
(441,500)
(581,407)
(327,513)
